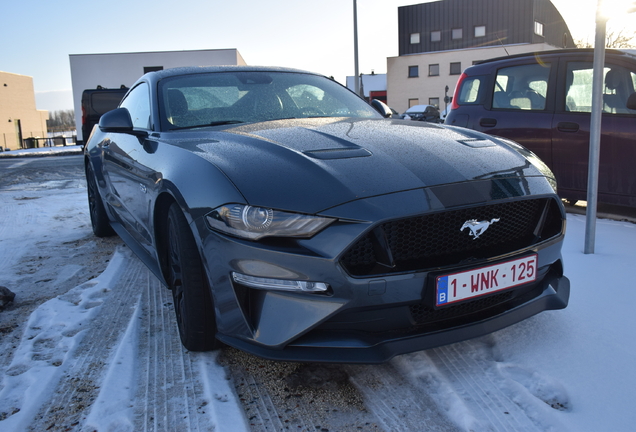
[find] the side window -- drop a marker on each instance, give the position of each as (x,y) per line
(522,87)
(138,104)
(469,90)
(618,84)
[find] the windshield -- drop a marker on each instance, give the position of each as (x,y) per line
(218,98)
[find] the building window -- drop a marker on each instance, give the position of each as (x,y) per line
(434,102)
(538,28)
(152,69)
(413,102)
(457,33)
(414,71)
(433,70)
(415,38)
(480,31)
(455,68)
(436,36)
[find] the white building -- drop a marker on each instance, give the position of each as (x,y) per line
(114,70)
(373,85)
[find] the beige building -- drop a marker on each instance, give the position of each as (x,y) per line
(438,40)
(421,79)
(19,119)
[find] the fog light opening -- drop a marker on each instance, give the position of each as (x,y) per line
(279,284)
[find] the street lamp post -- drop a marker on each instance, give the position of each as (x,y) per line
(596,120)
(595,130)
(356,75)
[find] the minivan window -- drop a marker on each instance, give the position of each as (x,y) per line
(521,87)
(618,84)
(469,92)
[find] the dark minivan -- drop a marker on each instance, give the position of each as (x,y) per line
(543,101)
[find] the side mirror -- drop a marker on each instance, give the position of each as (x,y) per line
(631,101)
(118,121)
(382,108)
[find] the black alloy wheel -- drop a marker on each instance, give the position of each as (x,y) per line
(99,218)
(189,284)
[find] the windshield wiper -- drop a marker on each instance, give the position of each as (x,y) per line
(225,122)
(215,123)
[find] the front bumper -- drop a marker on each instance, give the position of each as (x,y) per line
(351,347)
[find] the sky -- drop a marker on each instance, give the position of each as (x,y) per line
(311,35)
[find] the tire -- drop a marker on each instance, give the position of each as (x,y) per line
(99,218)
(570,202)
(188,282)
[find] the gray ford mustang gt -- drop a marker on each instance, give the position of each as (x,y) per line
(293,221)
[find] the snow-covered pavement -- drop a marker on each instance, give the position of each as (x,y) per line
(104,354)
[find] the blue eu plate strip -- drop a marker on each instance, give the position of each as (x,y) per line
(442,290)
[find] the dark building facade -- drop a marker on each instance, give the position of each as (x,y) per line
(462,24)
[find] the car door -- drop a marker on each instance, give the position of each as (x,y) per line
(522,106)
(571,131)
(125,161)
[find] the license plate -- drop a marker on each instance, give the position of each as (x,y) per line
(474,283)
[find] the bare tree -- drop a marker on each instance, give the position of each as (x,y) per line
(620,39)
(60,121)
(613,39)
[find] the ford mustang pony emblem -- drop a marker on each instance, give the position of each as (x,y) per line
(476,227)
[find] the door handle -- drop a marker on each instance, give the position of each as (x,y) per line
(568,127)
(488,122)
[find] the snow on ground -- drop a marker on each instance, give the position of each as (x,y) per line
(73,344)
(570,370)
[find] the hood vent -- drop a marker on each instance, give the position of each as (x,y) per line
(338,153)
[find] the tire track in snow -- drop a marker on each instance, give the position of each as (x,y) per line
(170,386)
(474,392)
(13,207)
(304,397)
(152,383)
(397,404)
(79,387)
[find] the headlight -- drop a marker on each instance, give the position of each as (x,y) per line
(257,222)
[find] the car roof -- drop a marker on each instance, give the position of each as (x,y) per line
(190,70)
(418,108)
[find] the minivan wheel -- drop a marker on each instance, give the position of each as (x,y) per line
(188,281)
(570,201)
(99,218)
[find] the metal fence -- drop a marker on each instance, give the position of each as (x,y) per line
(49,142)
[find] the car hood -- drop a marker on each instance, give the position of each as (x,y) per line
(309,165)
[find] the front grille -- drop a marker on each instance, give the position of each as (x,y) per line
(435,240)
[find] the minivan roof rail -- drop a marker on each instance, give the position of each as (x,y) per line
(558,52)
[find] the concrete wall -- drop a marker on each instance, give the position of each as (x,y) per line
(114,70)
(420,89)
(17,107)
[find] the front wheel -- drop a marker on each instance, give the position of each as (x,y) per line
(189,284)
(99,218)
